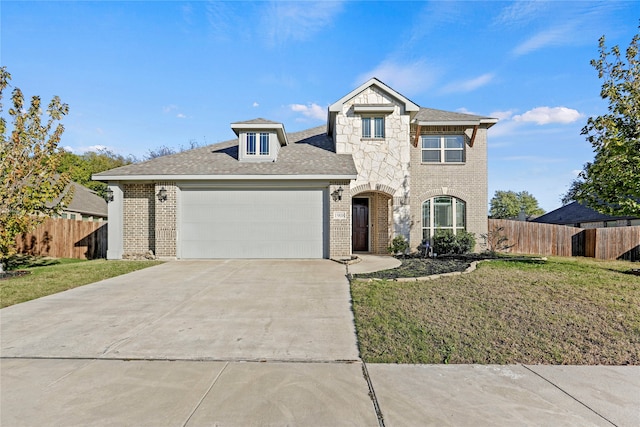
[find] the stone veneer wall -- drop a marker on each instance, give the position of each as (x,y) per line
(382,163)
(165,220)
(467,182)
(139,218)
(339,221)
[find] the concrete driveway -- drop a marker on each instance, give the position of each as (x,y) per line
(260,343)
(194,310)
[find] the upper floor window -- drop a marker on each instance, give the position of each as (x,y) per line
(373,126)
(442,149)
(444,212)
(252,143)
(264,143)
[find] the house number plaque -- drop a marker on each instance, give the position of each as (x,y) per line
(339,215)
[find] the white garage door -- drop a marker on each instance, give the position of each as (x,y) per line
(270,223)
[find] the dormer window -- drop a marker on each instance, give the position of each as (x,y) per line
(264,144)
(259,140)
(373,127)
(252,142)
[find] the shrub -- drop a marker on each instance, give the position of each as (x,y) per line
(398,245)
(445,242)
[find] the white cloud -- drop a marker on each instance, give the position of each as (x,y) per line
(181,116)
(576,172)
(469,85)
(169,108)
(552,37)
(312,110)
(286,21)
(520,12)
(546,115)
(255,104)
(409,78)
(502,115)
(68,149)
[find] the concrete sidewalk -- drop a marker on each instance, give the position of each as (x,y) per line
(76,392)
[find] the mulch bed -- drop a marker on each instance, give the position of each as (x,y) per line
(11,274)
(421,267)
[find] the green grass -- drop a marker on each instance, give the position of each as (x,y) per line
(51,276)
(563,311)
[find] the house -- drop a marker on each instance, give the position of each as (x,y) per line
(85,205)
(577,215)
(382,166)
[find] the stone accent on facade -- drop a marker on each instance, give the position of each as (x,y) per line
(138,219)
(379,161)
(165,221)
(339,222)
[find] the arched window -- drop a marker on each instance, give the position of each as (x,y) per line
(443,212)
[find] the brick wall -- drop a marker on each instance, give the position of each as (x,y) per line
(139,218)
(165,220)
(340,221)
(467,181)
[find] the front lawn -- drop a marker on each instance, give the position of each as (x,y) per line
(49,276)
(562,311)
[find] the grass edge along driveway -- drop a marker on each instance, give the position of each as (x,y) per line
(575,311)
(61,275)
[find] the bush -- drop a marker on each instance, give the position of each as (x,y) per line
(399,245)
(445,242)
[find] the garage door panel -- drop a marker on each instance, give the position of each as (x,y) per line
(270,223)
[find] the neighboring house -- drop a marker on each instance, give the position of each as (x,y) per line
(577,215)
(382,166)
(85,205)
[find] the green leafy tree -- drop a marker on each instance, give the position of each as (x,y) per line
(509,204)
(81,167)
(611,183)
(30,188)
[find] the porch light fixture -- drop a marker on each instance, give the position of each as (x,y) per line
(162,194)
(337,194)
(109,195)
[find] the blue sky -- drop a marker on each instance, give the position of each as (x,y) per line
(140,75)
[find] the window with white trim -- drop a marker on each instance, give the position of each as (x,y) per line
(443,212)
(257,143)
(251,143)
(373,126)
(264,144)
(442,149)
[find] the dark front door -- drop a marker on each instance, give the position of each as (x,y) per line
(360,227)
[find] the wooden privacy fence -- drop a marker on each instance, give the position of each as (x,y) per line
(562,240)
(66,238)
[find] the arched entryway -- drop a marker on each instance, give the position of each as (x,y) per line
(371,213)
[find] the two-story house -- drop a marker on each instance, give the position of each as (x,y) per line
(382,166)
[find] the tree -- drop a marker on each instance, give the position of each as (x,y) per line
(509,204)
(81,167)
(611,183)
(30,188)
(163,150)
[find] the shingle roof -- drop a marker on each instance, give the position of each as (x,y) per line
(431,115)
(258,121)
(310,152)
(84,201)
(575,213)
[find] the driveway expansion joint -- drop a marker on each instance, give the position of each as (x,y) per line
(569,394)
(204,395)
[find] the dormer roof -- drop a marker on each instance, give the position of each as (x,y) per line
(262,124)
